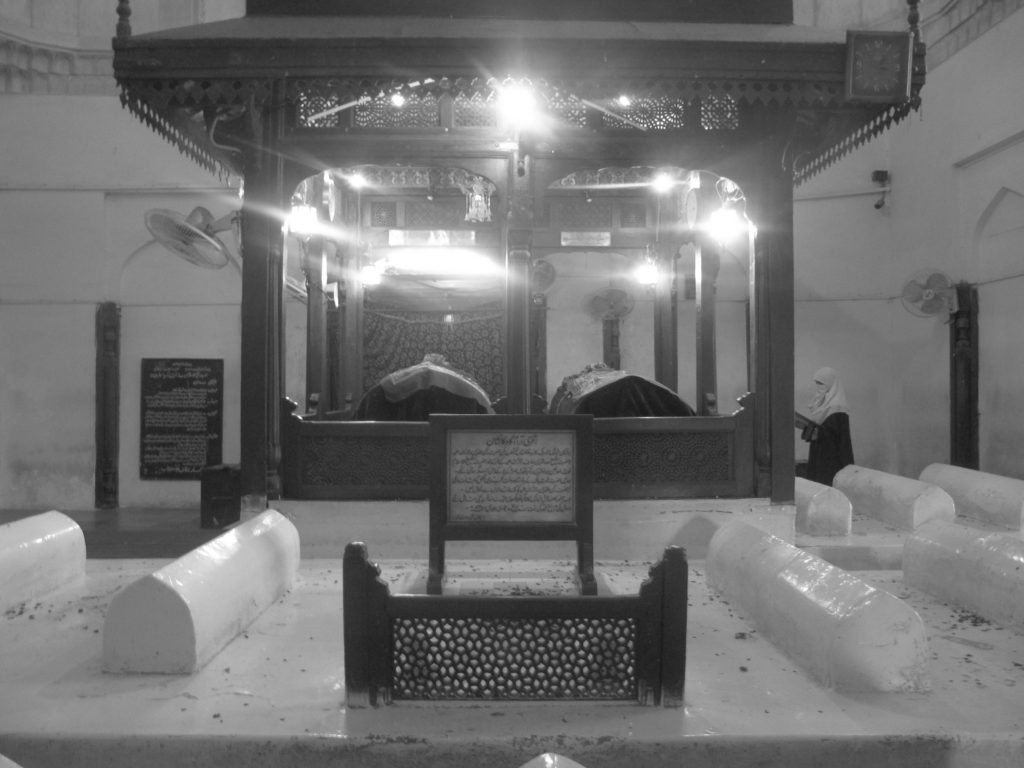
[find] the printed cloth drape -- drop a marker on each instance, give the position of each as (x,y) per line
(473,342)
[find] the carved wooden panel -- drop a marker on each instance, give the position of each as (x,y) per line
(634,458)
(522,658)
(649,458)
(364,461)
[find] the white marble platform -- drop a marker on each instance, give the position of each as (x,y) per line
(275,696)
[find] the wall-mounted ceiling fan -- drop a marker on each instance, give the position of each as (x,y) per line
(929,293)
(609,304)
(194,238)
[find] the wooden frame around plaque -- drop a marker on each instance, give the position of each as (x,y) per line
(512,478)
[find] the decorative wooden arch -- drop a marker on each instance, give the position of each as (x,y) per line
(279,94)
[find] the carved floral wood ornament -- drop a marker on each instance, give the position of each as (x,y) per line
(475,188)
(205,87)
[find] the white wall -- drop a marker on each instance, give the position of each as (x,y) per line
(852,261)
(91,23)
(575,337)
(984,170)
(76,175)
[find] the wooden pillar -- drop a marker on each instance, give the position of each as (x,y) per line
(769,195)
(313,268)
(517,284)
(108,404)
(517,318)
(365,630)
(317,369)
(675,573)
(351,295)
(666,320)
(262,290)
(706,263)
(539,346)
(963,382)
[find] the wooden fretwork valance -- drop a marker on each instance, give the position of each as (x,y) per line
(203,86)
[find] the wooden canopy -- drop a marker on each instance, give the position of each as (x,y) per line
(294,88)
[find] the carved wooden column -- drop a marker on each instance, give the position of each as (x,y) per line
(262,290)
(108,404)
(963,381)
(706,263)
(666,318)
(538,346)
(768,187)
(517,318)
(317,355)
(517,286)
(317,370)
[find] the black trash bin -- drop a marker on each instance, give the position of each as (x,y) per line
(220,488)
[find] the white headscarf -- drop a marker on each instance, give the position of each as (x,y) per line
(829,396)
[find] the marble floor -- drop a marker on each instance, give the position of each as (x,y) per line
(275,695)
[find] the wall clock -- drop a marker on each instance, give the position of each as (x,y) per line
(878,65)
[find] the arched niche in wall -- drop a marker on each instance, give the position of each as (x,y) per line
(1000,353)
(997,235)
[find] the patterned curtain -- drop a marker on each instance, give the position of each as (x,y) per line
(472,341)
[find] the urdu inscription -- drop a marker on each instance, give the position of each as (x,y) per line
(511,477)
(181,419)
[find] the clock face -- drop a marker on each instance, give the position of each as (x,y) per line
(878,66)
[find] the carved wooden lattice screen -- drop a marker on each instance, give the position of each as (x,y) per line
(630,647)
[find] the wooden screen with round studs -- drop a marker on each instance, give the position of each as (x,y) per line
(514,646)
(527,658)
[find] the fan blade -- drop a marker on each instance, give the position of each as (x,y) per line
(200,218)
(185,239)
(913,291)
(934,305)
(615,296)
(937,281)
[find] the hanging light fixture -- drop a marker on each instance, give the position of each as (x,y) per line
(646,271)
(302,220)
(730,221)
(663,183)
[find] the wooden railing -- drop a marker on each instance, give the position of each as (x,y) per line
(634,458)
(459,647)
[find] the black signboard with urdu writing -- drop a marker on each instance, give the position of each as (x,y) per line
(182,415)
